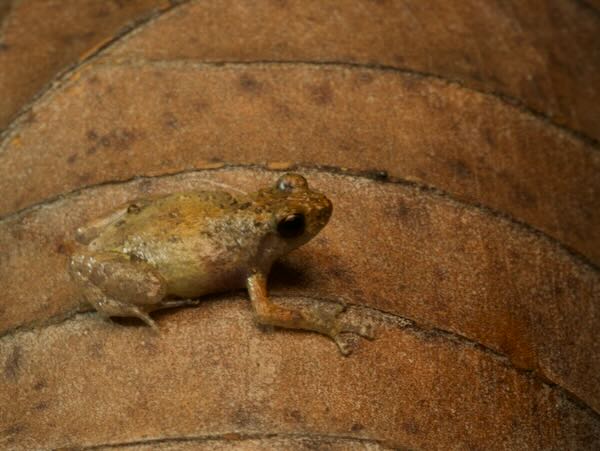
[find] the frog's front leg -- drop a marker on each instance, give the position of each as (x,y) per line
(318,319)
(117,285)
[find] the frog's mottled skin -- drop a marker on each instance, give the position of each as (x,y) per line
(158,253)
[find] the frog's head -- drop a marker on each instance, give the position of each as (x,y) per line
(298,213)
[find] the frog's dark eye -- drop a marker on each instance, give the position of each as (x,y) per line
(291,226)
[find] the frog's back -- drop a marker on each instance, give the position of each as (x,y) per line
(154,220)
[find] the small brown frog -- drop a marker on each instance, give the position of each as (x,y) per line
(167,251)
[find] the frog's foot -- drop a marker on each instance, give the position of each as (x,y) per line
(345,343)
(326,319)
(109,307)
(342,330)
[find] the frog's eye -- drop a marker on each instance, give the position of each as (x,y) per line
(291,226)
(291,182)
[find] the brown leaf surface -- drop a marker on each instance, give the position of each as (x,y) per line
(469,255)
(543,54)
(38,39)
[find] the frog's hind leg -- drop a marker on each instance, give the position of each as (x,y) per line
(117,285)
(108,307)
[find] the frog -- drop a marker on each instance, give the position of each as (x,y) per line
(175,249)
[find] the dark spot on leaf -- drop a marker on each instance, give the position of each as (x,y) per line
(72,158)
(39,385)
(92,135)
(414,218)
(43,405)
(489,137)
(282,110)
(573,283)
(200,106)
(84,178)
(242,418)
(411,427)
(520,194)
(295,415)
(102,12)
(399,59)
(459,167)
(91,150)
(14,429)
(74,38)
(62,249)
(250,84)
(524,197)
(321,94)
(440,273)
(119,139)
(96,349)
(171,121)
(120,222)
(12,364)
(402,211)
(341,274)
(357,427)
(4,47)
(18,231)
(558,290)
(364,77)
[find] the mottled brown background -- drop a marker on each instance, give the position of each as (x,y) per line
(460,143)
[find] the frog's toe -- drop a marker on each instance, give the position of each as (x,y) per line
(131,310)
(365,330)
(149,321)
(344,344)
